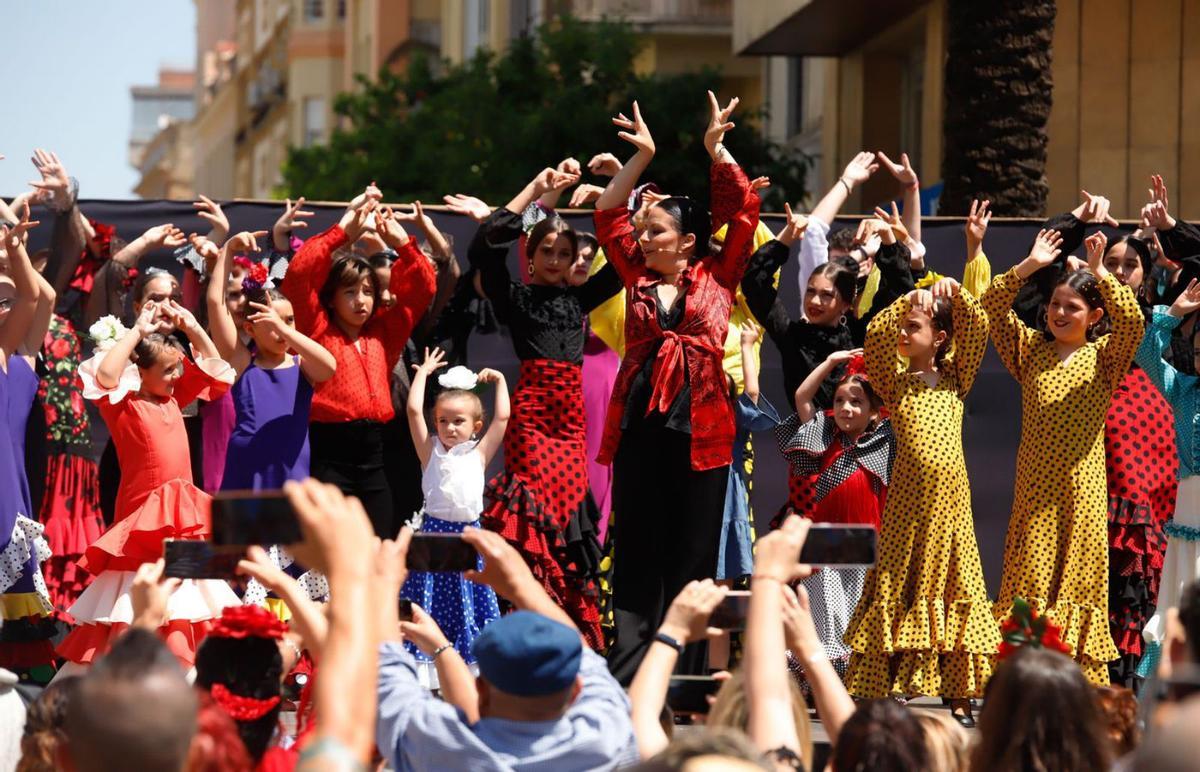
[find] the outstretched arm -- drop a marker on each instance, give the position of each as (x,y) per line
(637,133)
(25,304)
(807,391)
(415,407)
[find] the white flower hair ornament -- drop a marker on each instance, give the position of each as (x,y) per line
(106,331)
(459,377)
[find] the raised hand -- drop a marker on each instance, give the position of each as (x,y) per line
(55,181)
(1094,209)
(553,179)
(840,357)
(434,360)
(389,228)
(150,593)
(795,226)
(267,314)
(503,567)
(244,243)
(1096,244)
(718,123)
(488,375)
(258,565)
(978,220)
(290,220)
(149,320)
(16,236)
(180,317)
(945,288)
(210,210)
(206,248)
(751,333)
(893,220)
(636,133)
(569,166)
(860,169)
(166,235)
(469,205)
(903,171)
(777,554)
(921,300)
(369,194)
(585,194)
(800,633)
(423,631)
(604,165)
(417,217)
(760,183)
(870,234)
(1046,247)
(356,222)
(686,619)
(1187,302)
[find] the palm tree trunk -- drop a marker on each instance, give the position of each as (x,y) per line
(997,96)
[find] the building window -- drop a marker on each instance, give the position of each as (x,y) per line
(476,24)
(314,120)
(314,10)
(341,9)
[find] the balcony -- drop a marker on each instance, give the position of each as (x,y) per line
(703,16)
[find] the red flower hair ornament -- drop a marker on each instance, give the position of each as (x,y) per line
(242,708)
(857,366)
(1025,627)
(248,622)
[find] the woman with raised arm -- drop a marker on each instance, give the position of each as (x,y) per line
(541,503)
(337,303)
(1056,553)
(670,429)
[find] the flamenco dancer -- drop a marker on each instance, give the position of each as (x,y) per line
(541,502)
(670,428)
(139,379)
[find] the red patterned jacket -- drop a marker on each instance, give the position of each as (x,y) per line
(359,389)
(709,285)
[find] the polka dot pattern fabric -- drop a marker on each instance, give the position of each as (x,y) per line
(1056,551)
(924,624)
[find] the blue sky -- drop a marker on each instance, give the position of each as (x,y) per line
(71,64)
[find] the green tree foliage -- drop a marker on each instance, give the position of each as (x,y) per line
(486,126)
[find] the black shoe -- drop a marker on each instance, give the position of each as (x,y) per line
(965,718)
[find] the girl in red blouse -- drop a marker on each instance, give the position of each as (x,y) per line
(669,431)
(335,302)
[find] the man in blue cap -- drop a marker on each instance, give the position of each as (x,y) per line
(545,700)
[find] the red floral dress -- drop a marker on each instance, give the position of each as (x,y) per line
(70,509)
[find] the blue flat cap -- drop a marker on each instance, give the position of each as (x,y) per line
(528,655)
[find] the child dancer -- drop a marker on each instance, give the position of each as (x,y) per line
(843,459)
(454,460)
(273,391)
(923,625)
(1181,564)
(335,302)
(1056,552)
(139,379)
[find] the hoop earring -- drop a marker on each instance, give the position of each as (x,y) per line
(529,267)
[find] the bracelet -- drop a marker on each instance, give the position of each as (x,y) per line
(295,649)
(668,640)
(440,650)
(849,190)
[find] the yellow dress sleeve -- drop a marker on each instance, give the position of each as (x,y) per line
(970,340)
(868,293)
(607,320)
(879,350)
(977,276)
(1013,340)
(1125,335)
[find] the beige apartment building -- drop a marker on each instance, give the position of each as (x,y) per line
(869,75)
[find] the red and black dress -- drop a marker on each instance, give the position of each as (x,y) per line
(1142,464)
(669,432)
(541,503)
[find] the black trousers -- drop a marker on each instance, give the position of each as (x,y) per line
(350,456)
(666,530)
(402,467)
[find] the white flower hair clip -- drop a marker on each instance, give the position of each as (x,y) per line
(459,377)
(106,331)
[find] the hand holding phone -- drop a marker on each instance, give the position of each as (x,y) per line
(730,613)
(689,694)
(254,517)
(200,560)
(441,552)
(834,545)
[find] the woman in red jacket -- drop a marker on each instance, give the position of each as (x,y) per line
(337,304)
(669,430)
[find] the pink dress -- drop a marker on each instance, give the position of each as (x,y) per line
(600,365)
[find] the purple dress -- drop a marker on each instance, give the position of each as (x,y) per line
(22,546)
(269,443)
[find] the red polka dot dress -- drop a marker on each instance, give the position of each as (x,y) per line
(1056,552)
(1143,469)
(924,623)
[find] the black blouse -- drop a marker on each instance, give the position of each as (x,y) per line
(545,322)
(679,416)
(803,345)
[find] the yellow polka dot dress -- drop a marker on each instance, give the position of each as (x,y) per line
(924,624)
(1056,553)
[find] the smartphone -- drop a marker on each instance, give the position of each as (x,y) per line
(200,560)
(441,552)
(834,545)
(688,693)
(254,517)
(405,608)
(730,613)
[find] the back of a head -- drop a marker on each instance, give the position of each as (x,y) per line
(216,746)
(1189,618)
(731,710)
(528,665)
(1040,713)
(44,726)
(133,710)
(249,671)
(714,748)
(1172,748)
(947,744)
(880,736)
